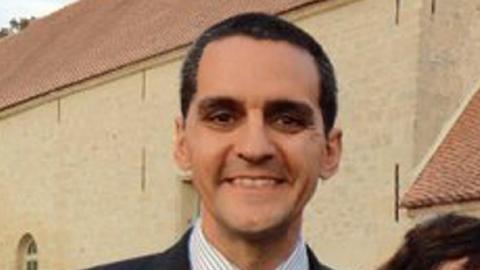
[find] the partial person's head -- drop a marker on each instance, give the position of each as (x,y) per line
(449,242)
(258,99)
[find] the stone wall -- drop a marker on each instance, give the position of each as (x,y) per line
(449,67)
(90,176)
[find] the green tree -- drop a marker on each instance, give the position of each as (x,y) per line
(16,25)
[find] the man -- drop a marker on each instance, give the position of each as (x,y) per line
(258,101)
(447,242)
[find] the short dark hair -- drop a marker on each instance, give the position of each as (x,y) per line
(262,27)
(428,245)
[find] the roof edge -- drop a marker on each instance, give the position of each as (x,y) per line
(98,79)
(463,207)
(449,201)
(440,138)
(299,12)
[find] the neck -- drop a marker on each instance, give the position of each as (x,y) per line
(253,251)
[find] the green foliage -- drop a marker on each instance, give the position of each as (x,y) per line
(16,25)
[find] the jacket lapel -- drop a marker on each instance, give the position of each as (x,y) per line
(174,258)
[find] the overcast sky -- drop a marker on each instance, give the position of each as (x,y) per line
(26,8)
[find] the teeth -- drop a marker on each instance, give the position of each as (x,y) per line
(253,183)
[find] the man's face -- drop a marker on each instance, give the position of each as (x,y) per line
(254,136)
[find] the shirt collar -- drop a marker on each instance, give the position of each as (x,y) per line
(204,256)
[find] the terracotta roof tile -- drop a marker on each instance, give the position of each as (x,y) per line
(452,175)
(92,37)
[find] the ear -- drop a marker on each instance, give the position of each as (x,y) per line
(333,152)
(181,151)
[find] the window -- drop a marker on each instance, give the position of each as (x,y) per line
(27,253)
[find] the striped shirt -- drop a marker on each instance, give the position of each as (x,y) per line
(203,256)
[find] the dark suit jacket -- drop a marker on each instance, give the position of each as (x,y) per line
(176,258)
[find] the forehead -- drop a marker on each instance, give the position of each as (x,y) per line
(456,264)
(264,69)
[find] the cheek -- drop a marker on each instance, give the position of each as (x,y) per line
(303,154)
(203,168)
(207,156)
(316,150)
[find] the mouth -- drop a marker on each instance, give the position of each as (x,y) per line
(254,181)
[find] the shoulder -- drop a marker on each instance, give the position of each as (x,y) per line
(130,264)
(175,257)
(314,262)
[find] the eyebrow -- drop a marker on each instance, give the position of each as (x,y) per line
(300,109)
(212,103)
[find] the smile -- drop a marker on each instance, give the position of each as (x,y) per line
(254,182)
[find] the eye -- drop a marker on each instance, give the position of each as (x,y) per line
(288,123)
(221,119)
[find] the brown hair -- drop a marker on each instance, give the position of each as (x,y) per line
(444,238)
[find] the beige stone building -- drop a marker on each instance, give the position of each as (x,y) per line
(88,96)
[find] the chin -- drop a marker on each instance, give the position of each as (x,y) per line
(258,227)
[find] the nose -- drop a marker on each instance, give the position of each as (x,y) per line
(254,144)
